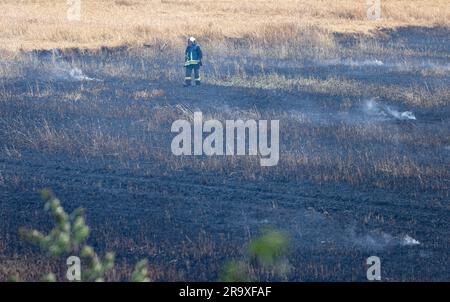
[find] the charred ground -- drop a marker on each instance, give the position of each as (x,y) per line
(364,163)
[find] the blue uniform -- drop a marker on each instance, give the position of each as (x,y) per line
(193,55)
(192,62)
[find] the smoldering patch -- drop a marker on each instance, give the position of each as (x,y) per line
(384,112)
(351,62)
(377,240)
(53,66)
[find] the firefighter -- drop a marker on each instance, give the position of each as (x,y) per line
(193,61)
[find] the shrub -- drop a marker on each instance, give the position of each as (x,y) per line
(68,236)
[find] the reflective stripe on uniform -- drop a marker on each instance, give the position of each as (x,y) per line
(191,62)
(188,78)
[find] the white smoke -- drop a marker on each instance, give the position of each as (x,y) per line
(60,69)
(385,112)
(422,66)
(373,62)
(352,63)
(374,240)
(405,115)
(77,75)
(408,240)
(403,65)
(380,240)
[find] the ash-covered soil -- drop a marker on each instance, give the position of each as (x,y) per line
(363,171)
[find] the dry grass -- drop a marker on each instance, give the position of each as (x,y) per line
(148,94)
(43,24)
(151,111)
(414,95)
(129,124)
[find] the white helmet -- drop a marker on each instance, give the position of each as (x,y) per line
(192,39)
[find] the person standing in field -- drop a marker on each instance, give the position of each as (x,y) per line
(193,61)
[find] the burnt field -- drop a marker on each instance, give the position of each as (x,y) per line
(364,164)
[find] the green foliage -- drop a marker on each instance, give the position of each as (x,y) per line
(50,277)
(14,278)
(270,247)
(80,229)
(68,236)
(140,272)
(96,268)
(265,253)
(68,231)
(236,271)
